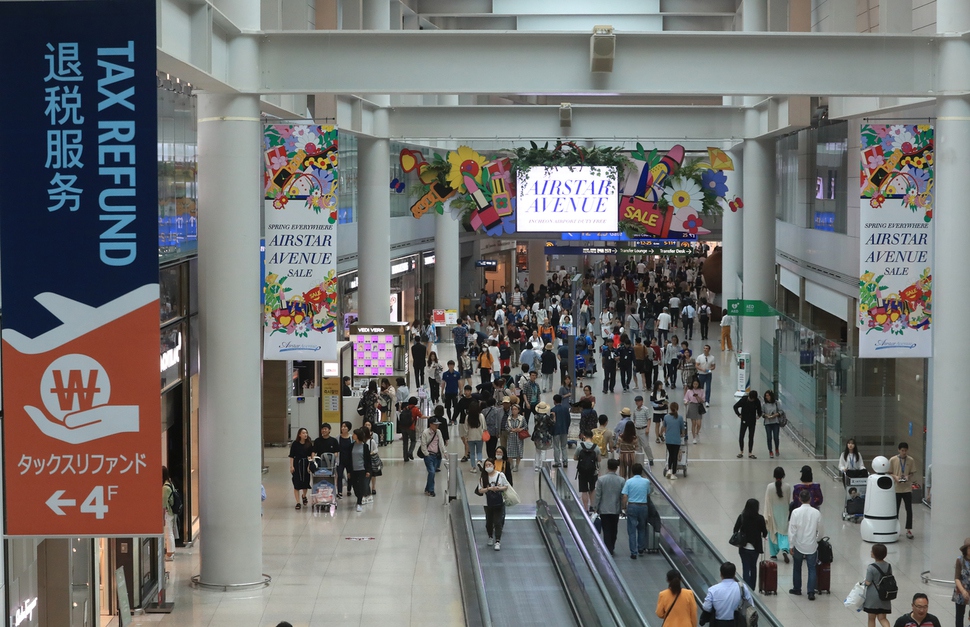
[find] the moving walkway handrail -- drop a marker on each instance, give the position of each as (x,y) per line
(629,614)
(682,561)
(576,592)
(615,584)
(483,617)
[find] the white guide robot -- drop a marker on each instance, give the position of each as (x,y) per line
(880,521)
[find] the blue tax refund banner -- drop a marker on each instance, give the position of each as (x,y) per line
(79,263)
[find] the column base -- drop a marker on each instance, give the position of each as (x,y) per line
(226,587)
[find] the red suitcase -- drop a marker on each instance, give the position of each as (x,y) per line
(823,581)
(768,577)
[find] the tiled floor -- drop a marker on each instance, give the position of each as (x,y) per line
(407,574)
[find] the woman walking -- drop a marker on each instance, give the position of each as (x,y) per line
(432,373)
(694,400)
(492,485)
(672,432)
(628,448)
(300,453)
(851,458)
(753,530)
(360,465)
(503,463)
(542,433)
(807,483)
(475,424)
(658,398)
(373,442)
(771,412)
(516,444)
(777,497)
(876,608)
(676,605)
(371,402)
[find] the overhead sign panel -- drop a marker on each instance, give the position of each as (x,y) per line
(79,253)
(566,199)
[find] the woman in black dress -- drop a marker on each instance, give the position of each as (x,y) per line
(300,452)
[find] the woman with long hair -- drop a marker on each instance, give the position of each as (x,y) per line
(628,448)
(658,398)
(475,425)
(373,441)
(300,453)
(491,485)
(432,374)
(673,431)
(777,497)
(851,458)
(371,402)
(807,483)
(676,605)
(515,444)
(360,465)
(770,413)
(753,530)
(694,399)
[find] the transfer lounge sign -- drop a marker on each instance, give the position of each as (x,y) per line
(79,255)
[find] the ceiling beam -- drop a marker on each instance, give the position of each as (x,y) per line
(711,64)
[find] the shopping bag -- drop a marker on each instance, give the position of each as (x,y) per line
(856,598)
(511,497)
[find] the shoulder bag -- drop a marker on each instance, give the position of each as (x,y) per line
(746,615)
(510,497)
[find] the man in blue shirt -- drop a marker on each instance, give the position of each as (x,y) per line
(725,597)
(460,335)
(451,379)
(559,431)
(635,493)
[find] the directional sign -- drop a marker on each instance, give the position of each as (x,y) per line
(488,264)
(754,308)
(79,255)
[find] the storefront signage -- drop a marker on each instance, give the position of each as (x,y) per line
(300,281)
(558,199)
(25,612)
(896,241)
(488,264)
(79,252)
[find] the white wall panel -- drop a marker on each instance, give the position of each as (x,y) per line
(827,300)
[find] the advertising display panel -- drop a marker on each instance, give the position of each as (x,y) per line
(567,199)
(79,254)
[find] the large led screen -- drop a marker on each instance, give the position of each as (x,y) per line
(564,199)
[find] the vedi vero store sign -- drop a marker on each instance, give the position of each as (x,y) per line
(79,256)
(566,199)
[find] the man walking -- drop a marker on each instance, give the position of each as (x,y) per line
(530,395)
(804,530)
(663,325)
(705,372)
(419,359)
(726,321)
(607,501)
(704,317)
(561,427)
(451,379)
(687,316)
(460,335)
(641,420)
(903,468)
(635,492)
(725,597)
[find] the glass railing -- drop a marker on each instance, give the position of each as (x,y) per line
(698,561)
(470,574)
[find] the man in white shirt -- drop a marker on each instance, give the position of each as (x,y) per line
(641,269)
(726,322)
(674,309)
(804,530)
(705,372)
(687,315)
(606,319)
(516,297)
(663,325)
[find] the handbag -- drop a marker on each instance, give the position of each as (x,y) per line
(524,434)
(856,597)
(746,614)
(737,539)
(701,410)
(510,497)
(782,418)
(376,463)
(486,436)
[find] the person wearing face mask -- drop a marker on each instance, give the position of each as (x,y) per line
(491,485)
(503,463)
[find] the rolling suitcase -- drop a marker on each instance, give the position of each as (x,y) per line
(823,581)
(768,577)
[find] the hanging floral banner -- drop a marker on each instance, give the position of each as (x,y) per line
(300,285)
(896,241)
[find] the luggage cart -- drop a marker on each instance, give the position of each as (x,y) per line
(323,498)
(682,456)
(854,482)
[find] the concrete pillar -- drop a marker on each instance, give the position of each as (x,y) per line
(732,238)
(230,193)
(759,236)
(537,262)
(754,15)
(447,262)
(896,16)
(374,203)
(950,332)
(374,227)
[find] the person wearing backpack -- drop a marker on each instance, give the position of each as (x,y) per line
(704,317)
(407,422)
(880,587)
(587,458)
(169,497)
(608,502)
(803,533)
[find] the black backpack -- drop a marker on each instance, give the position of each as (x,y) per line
(360,407)
(175,501)
(886,585)
(825,553)
(587,461)
(404,419)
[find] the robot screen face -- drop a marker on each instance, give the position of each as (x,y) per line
(885,483)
